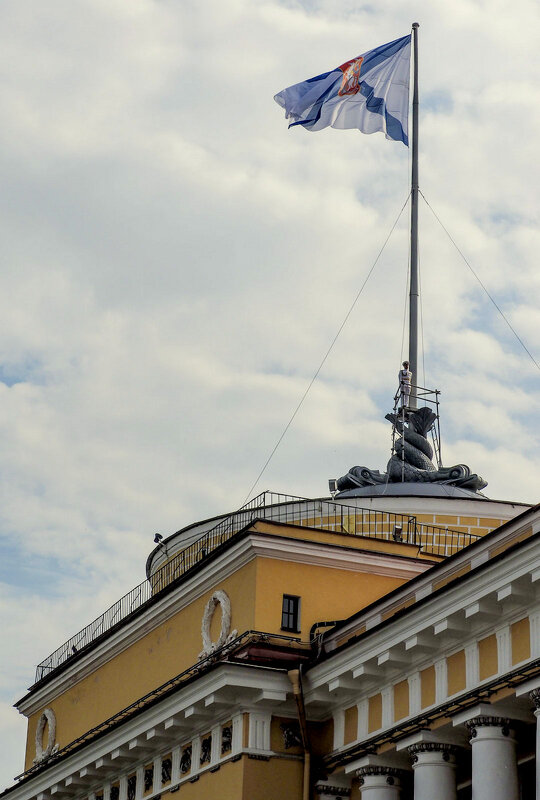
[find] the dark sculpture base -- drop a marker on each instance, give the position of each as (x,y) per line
(411,462)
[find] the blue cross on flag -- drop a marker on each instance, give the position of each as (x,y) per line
(370,92)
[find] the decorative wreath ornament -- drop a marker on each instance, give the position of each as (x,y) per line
(47,718)
(218,598)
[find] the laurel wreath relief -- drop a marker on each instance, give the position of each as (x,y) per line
(220,598)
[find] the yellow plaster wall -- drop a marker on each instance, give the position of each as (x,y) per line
(351,724)
(159,655)
(427,687)
(276,736)
(227,784)
(521,640)
(456,672)
(487,656)
(256,598)
(321,737)
(326,594)
(356,793)
(401,700)
(276,779)
(374,713)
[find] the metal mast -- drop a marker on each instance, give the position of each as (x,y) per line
(413,290)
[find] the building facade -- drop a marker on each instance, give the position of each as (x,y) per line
(379,646)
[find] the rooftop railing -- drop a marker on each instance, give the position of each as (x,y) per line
(327,515)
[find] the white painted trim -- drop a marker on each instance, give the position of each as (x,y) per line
(449,604)
(240,684)
(48,719)
(441,680)
(327,555)
(415,693)
(215,572)
(534,623)
(387,695)
(339,728)
(440,572)
(472,665)
(259,730)
(504,649)
(363,719)
(237,733)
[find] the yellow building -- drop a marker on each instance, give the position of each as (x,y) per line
(381,644)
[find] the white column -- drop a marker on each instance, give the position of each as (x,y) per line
(535,697)
(379,783)
(494,765)
(434,768)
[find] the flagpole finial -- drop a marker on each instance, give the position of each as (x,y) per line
(416,24)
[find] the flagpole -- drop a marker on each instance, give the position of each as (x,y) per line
(413,290)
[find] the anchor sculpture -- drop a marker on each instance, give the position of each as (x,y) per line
(411,459)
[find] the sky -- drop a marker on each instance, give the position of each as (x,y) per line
(175,263)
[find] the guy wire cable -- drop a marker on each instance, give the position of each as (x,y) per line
(522,343)
(334,340)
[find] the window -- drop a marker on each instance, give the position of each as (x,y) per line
(290,613)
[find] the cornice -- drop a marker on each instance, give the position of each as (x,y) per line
(448,603)
(337,556)
(218,569)
(477,554)
(213,698)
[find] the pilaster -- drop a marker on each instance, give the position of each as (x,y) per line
(415,693)
(441,680)
(504,649)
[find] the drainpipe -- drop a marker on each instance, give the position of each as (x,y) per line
(296,681)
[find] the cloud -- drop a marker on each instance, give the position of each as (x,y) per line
(176,263)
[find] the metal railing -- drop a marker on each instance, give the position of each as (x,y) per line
(327,515)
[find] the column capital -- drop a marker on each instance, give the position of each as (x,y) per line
(326,790)
(535,697)
(484,721)
(447,751)
(392,774)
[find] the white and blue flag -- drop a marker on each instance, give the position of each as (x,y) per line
(370,92)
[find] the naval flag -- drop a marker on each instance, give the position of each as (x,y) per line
(370,92)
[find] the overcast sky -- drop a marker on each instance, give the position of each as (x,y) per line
(175,263)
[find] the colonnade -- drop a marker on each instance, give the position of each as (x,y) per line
(494,766)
